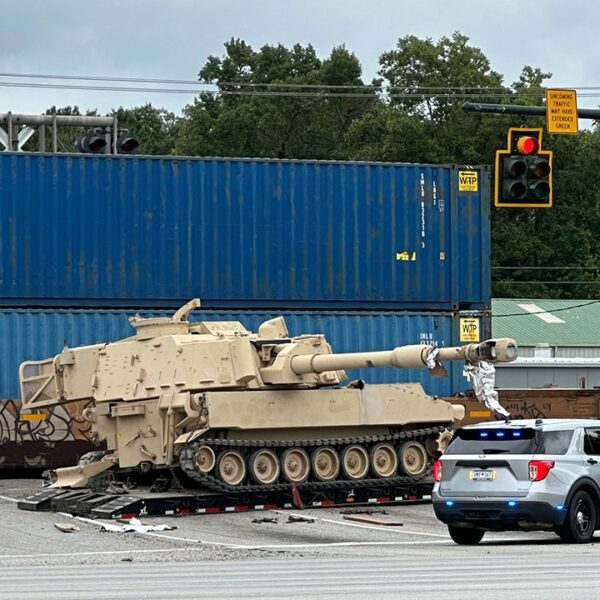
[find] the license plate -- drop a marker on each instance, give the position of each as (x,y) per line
(480,475)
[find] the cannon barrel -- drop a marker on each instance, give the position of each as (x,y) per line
(407,357)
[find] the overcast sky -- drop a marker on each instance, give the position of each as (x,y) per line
(171,39)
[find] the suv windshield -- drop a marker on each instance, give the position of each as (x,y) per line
(509,441)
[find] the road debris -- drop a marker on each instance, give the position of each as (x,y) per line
(371,520)
(364,511)
(266,520)
(293,519)
(135,525)
(66,527)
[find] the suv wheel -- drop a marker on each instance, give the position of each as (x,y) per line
(580,521)
(465,536)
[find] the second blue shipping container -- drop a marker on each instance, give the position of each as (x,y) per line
(102,231)
(39,334)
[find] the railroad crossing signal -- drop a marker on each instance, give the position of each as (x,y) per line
(523,176)
(97,141)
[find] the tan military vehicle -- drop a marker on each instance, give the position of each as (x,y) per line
(249,411)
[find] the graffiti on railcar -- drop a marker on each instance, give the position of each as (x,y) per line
(49,441)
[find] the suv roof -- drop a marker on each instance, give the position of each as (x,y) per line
(545,424)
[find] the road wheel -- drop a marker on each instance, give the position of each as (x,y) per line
(580,520)
(231,467)
(413,459)
(264,467)
(384,460)
(204,459)
(465,536)
(355,462)
(295,465)
(325,464)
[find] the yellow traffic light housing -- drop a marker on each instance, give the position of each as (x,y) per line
(523,174)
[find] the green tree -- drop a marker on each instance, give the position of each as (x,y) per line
(153,127)
(276,102)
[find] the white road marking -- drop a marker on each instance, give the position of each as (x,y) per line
(374,527)
(9,499)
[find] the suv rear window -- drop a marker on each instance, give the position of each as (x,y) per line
(509,441)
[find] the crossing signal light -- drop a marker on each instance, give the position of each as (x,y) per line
(523,176)
(126,143)
(94,142)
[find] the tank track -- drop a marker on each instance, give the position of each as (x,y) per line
(186,461)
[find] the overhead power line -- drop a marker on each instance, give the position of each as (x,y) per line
(440,88)
(266,89)
(310,94)
(511,281)
(545,268)
(545,312)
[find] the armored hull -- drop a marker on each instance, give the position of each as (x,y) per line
(248,412)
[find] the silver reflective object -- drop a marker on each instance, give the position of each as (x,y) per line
(482,376)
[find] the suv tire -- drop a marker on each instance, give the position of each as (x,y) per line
(580,521)
(465,536)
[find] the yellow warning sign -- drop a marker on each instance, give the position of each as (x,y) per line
(469,329)
(561,111)
(468,181)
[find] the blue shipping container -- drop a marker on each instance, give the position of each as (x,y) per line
(38,334)
(102,231)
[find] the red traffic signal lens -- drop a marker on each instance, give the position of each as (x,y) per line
(527,145)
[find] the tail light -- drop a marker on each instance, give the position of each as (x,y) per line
(437,470)
(539,469)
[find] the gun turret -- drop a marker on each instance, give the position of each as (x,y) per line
(407,357)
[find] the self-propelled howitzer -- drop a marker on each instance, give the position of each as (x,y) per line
(237,410)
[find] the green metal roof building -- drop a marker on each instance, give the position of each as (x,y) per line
(559,342)
(571,328)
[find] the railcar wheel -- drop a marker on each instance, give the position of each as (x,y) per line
(325,464)
(413,459)
(204,459)
(264,467)
(355,462)
(384,460)
(231,467)
(295,465)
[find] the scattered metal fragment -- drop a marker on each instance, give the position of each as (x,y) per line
(266,520)
(127,559)
(371,520)
(293,519)
(364,511)
(66,527)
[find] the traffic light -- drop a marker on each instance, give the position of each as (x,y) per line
(94,141)
(523,176)
(126,143)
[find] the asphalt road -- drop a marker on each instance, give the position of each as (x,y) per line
(233,556)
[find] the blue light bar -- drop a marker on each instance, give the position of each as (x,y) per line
(516,434)
(500,434)
(559,507)
(449,503)
(484,434)
(512,503)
